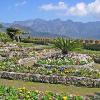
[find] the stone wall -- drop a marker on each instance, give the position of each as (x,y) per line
(78,81)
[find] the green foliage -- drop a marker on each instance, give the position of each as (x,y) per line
(42,41)
(4,37)
(14,34)
(67,44)
(9,93)
(92,47)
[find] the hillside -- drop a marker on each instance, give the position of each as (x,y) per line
(69,28)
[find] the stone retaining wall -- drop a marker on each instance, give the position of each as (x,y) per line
(78,81)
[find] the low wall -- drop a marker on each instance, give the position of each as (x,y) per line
(78,81)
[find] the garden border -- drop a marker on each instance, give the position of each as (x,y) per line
(89,65)
(53,79)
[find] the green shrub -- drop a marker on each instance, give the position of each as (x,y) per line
(42,41)
(4,37)
(92,47)
(67,44)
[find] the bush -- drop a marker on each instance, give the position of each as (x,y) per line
(92,47)
(67,44)
(4,37)
(42,41)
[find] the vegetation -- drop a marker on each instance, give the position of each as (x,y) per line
(65,61)
(56,65)
(67,44)
(4,37)
(92,47)
(14,33)
(41,41)
(55,88)
(24,94)
(10,66)
(89,52)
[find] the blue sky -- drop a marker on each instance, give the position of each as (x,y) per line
(77,10)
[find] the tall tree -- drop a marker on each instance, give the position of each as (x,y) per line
(14,34)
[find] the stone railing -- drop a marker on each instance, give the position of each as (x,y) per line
(78,81)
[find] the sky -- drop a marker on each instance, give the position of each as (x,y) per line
(76,10)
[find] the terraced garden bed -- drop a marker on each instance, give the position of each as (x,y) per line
(69,59)
(50,63)
(9,93)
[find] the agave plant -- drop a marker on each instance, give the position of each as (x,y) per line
(67,44)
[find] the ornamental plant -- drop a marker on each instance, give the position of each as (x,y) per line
(9,93)
(66,45)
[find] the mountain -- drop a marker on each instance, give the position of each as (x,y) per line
(57,27)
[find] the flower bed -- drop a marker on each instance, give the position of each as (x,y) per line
(69,59)
(10,65)
(9,93)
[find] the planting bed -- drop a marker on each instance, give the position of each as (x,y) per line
(11,66)
(8,93)
(69,59)
(45,62)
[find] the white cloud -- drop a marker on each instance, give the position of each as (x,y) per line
(20,3)
(59,6)
(94,7)
(80,9)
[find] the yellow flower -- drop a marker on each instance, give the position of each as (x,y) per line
(24,88)
(28,92)
(50,99)
(20,90)
(27,96)
(64,98)
(46,92)
(36,91)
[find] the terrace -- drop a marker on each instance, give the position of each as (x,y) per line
(48,65)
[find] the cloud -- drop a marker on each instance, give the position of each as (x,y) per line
(20,3)
(79,9)
(59,6)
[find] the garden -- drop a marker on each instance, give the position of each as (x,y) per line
(9,93)
(59,61)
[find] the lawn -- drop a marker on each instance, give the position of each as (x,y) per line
(97,66)
(56,88)
(90,52)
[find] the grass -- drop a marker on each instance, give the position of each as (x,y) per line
(56,88)
(90,52)
(97,66)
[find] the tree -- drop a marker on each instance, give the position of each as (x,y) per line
(14,34)
(67,44)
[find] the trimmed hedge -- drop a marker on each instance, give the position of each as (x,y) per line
(92,47)
(42,41)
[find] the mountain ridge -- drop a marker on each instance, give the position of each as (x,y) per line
(68,28)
